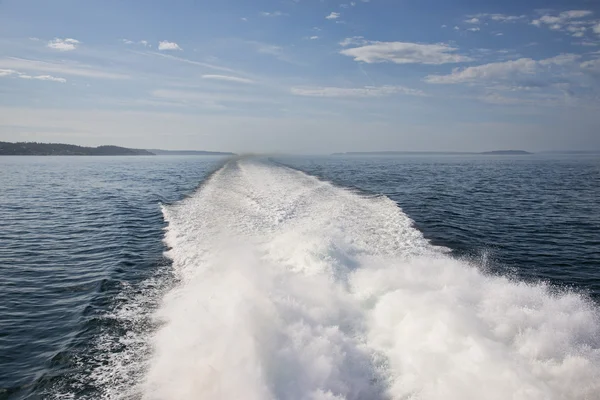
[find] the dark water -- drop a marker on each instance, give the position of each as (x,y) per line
(81,251)
(78,236)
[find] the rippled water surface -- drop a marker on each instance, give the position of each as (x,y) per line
(83,271)
(79,239)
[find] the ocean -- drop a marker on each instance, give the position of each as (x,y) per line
(413,277)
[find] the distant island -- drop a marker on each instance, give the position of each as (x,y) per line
(398,153)
(60,149)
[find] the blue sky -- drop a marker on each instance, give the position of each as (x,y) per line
(302,76)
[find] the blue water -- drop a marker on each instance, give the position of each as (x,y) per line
(75,234)
(83,272)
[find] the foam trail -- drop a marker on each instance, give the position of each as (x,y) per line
(292,288)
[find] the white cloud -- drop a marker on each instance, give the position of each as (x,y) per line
(473,20)
(474,29)
(597,28)
(63,44)
(75,69)
(568,19)
(228,78)
(166,45)
(405,53)
(444,26)
(366,91)
(273,14)
(499,17)
(507,70)
(573,14)
(145,43)
(313,37)
(7,72)
(244,19)
(44,78)
(333,15)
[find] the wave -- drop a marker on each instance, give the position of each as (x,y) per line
(292,288)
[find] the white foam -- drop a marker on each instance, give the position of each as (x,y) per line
(292,288)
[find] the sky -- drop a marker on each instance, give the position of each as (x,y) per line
(302,76)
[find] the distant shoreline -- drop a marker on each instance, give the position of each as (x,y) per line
(60,149)
(397,153)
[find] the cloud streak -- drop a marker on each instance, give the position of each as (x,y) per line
(513,70)
(405,53)
(227,78)
(74,69)
(366,91)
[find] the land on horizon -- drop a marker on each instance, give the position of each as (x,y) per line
(61,149)
(493,152)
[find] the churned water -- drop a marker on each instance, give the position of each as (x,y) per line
(300,278)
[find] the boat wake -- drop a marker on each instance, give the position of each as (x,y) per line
(292,288)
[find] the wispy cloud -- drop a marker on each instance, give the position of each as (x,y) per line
(228,78)
(165,45)
(333,15)
(43,78)
(474,21)
(272,50)
(191,62)
(7,72)
(366,91)
(141,42)
(592,66)
(406,53)
(313,37)
(74,69)
(63,44)
(22,75)
(273,14)
(203,97)
(503,18)
(513,71)
(573,21)
(353,41)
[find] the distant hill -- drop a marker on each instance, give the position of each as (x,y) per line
(417,153)
(59,149)
(189,153)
